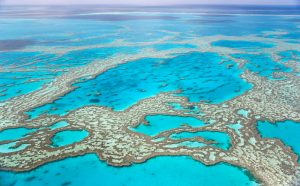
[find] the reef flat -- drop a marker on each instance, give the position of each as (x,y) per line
(114,135)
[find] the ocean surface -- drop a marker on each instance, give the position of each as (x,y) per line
(38,44)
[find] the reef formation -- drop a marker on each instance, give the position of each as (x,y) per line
(109,132)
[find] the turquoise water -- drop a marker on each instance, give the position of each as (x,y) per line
(31,72)
(222,140)
(190,144)
(236,127)
(159,123)
(198,75)
(155,172)
(168,46)
(59,124)
(18,133)
(243,113)
(38,73)
(290,55)
(11,147)
(14,134)
(262,64)
(66,33)
(286,131)
(18,83)
(188,110)
(26,59)
(82,57)
(68,137)
(242,45)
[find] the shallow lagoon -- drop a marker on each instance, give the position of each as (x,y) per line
(200,76)
(88,170)
(286,131)
(262,64)
(41,68)
(160,123)
(18,133)
(221,139)
(68,137)
(19,83)
(11,147)
(14,134)
(289,55)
